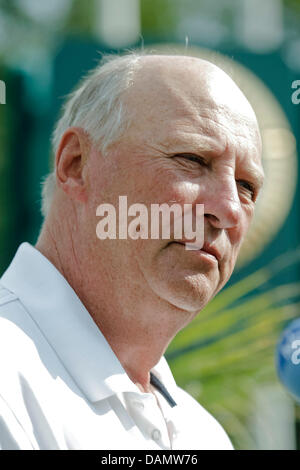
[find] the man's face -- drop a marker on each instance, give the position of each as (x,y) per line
(194,140)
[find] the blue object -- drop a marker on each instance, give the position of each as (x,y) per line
(288,358)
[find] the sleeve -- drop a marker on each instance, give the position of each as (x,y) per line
(12,435)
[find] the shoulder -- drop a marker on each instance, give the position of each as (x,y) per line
(21,345)
(14,323)
(16,356)
(26,381)
(12,316)
(203,424)
(12,434)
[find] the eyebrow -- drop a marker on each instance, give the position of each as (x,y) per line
(256,176)
(203,147)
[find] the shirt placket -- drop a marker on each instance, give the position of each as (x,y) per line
(145,411)
(169,414)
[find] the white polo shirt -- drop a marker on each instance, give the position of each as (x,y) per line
(61,385)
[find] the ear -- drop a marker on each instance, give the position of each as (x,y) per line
(70,161)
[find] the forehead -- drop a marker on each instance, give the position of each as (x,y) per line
(185,100)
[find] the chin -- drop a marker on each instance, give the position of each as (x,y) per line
(190,293)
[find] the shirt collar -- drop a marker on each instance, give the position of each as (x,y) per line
(69,328)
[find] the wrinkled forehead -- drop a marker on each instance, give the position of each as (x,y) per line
(169,82)
(172,93)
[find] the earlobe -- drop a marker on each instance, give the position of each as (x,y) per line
(70,163)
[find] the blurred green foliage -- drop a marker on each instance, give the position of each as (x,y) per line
(228,350)
(158,17)
(80,19)
(293,5)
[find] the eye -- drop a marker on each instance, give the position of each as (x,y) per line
(248,187)
(193,158)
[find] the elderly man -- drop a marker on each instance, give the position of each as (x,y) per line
(84,323)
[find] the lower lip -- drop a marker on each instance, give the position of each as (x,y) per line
(200,253)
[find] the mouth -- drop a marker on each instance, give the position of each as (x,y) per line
(205,249)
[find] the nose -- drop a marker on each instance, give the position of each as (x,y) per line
(222,206)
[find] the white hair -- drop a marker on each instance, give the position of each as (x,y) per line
(96,106)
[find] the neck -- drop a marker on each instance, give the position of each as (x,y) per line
(122,310)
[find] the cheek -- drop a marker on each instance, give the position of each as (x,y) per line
(162,185)
(238,234)
(186,192)
(171,188)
